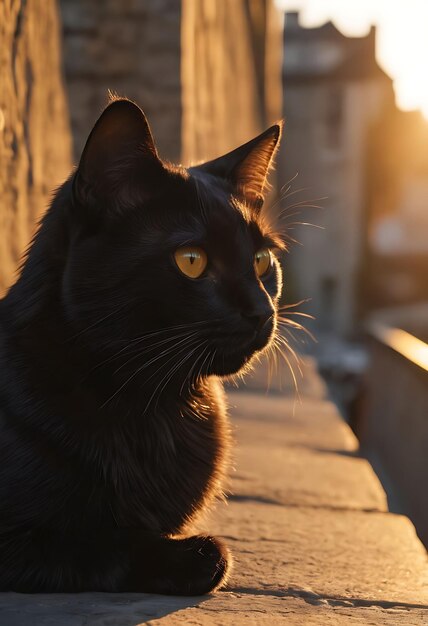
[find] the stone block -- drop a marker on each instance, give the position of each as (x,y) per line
(34,133)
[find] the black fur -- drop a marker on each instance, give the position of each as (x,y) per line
(113,430)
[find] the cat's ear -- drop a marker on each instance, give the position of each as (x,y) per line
(247,167)
(119,156)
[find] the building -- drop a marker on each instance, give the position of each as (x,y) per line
(396,258)
(334,91)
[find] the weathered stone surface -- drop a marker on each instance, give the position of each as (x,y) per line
(208,77)
(35,145)
(272,465)
(297,452)
(312,540)
(264,607)
(132,48)
(348,555)
(231,61)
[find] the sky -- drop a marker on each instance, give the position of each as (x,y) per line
(402,37)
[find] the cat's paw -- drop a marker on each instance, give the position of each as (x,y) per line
(214,562)
(191,566)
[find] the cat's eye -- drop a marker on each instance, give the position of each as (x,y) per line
(263,261)
(191,260)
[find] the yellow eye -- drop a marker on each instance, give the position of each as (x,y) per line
(262,261)
(191,260)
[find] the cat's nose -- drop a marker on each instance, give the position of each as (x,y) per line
(259,317)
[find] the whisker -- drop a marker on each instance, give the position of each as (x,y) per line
(199,374)
(297,326)
(287,195)
(288,182)
(136,340)
(300,313)
(175,367)
(297,205)
(97,322)
(162,353)
(190,376)
(283,218)
(131,377)
(290,367)
(291,224)
(270,355)
(176,327)
(306,202)
(288,347)
(289,333)
(294,304)
(118,354)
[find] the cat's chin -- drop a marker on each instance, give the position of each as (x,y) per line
(233,362)
(234,359)
(230,365)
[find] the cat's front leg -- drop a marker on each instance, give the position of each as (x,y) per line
(111,560)
(179,566)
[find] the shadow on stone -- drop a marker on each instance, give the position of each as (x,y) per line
(355,454)
(253,498)
(97,609)
(311,597)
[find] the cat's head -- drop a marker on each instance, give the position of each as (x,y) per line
(171,263)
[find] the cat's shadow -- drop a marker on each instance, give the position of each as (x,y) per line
(96,609)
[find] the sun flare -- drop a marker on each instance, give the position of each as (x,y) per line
(402,42)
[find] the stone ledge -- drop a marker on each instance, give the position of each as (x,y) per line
(307,522)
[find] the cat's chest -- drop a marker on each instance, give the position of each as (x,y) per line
(158,475)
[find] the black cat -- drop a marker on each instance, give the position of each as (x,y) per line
(144,283)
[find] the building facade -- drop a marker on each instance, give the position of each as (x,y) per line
(333,92)
(396,259)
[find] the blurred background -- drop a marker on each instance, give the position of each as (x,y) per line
(351,80)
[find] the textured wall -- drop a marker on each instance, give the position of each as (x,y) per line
(206,72)
(34,133)
(231,77)
(221,107)
(393,428)
(131,47)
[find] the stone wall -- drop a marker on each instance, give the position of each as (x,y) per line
(131,47)
(231,73)
(34,132)
(392,425)
(206,72)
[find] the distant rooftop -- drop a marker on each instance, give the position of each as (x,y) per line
(323,52)
(294,29)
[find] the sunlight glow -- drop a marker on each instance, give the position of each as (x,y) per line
(404,343)
(402,40)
